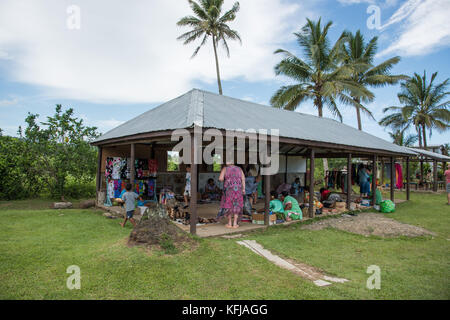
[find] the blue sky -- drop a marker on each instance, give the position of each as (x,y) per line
(125,59)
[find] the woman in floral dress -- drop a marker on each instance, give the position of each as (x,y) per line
(232,201)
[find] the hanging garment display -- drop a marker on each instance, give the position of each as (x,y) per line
(152,167)
(107,202)
(151,188)
(123,168)
(110,189)
(140,166)
(116,168)
(109,168)
(399,175)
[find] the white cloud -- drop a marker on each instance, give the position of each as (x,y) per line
(426,28)
(403,12)
(347,2)
(128,52)
(386,3)
(8,102)
(106,125)
(102,125)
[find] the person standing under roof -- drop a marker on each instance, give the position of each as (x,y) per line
(233,193)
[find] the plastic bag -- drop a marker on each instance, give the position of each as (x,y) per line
(387,206)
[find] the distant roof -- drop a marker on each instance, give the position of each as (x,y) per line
(210,110)
(429,154)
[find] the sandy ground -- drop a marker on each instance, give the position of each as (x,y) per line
(368,224)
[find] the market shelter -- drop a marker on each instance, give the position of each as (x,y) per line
(422,156)
(302,138)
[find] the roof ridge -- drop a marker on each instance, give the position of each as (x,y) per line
(196,108)
(268,106)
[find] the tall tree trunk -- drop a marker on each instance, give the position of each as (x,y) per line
(424,132)
(419,134)
(217,65)
(319,105)
(358,114)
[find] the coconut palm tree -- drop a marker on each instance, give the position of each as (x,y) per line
(360,55)
(399,138)
(423,107)
(320,77)
(208,22)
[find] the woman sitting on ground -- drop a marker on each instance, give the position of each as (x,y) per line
(212,192)
(292,210)
(275,206)
(324,193)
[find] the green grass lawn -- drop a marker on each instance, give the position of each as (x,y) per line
(38,244)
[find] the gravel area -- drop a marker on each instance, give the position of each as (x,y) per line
(368,224)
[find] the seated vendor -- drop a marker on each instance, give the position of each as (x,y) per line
(292,209)
(212,192)
(324,193)
(276,206)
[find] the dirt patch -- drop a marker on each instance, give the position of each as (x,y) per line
(160,232)
(368,224)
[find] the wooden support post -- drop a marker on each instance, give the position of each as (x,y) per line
(286,168)
(382,173)
(407,179)
(435,183)
(392,178)
(132,169)
(311,185)
(99,169)
(374,180)
(194,184)
(266,199)
(349,180)
(421,171)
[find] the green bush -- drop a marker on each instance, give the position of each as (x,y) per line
(76,189)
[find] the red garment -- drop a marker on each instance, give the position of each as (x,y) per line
(398,169)
(447,175)
(325,194)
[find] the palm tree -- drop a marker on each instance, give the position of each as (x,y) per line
(208,22)
(399,138)
(360,55)
(320,76)
(423,107)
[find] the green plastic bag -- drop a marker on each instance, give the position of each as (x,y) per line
(387,206)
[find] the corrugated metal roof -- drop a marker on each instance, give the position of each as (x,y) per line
(429,154)
(211,110)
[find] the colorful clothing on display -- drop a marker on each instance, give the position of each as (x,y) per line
(109,168)
(399,175)
(116,168)
(110,189)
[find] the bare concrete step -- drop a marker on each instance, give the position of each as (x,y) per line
(303,270)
